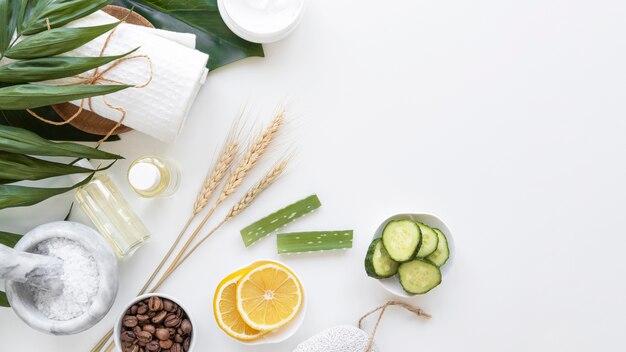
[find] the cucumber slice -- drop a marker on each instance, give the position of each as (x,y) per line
(440,256)
(419,276)
(402,239)
(429,241)
(378,263)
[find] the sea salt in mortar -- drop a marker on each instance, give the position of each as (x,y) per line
(80,279)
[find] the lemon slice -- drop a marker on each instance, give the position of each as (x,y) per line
(225,309)
(269,296)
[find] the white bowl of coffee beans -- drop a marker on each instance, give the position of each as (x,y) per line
(154,323)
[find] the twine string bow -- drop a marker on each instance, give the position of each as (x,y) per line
(97,77)
(417,311)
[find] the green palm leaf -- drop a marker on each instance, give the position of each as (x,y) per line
(56,41)
(47,68)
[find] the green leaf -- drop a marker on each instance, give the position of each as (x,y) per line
(9,239)
(7,24)
(67,132)
(202,18)
(28,96)
(56,41)
(59,13)
(12,196)
(18,167)
(21,15)
(17,140)
(47,68)
(4,302)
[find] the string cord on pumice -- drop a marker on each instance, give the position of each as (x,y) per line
(35,270)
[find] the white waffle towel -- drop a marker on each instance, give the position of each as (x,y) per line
(178,72)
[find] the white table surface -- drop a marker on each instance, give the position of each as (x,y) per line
(506,119)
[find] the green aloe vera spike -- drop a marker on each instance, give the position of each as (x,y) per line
(302,242)
(275,221)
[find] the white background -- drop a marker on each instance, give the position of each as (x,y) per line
(504,118)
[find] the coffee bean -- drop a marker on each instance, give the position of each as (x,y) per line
(153,346)
(166,345)
(128,336)
(186,326)
(131,348)
(169,305)
(162,334)
(130,321)
(172,321)
(155,304)
(144,337)
(141,349)
(186,344)
(159,317)
(142,309)
(179,331)
(179,312)
(137,329)
(142,318)
(133,309)
(149,328)
(176,348)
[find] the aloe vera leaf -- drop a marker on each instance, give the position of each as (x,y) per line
(302,242)
(21,141)
(20,196)
(56,41)
(282,217)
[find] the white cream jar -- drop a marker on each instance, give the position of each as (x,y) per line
(261,21)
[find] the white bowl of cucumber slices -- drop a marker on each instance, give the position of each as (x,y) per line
(410,254)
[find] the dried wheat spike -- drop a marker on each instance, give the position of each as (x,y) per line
(252,155)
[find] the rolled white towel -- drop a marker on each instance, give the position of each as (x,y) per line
(178,72)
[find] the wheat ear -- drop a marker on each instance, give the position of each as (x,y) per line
(247,162)
(239,207)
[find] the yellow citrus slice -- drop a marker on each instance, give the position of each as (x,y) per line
(269,296)
(225,309)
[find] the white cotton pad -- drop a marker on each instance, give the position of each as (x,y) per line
(343,338)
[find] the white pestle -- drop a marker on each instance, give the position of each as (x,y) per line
(31,269)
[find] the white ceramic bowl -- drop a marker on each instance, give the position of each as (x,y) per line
(118,325)
(21,299)
(392,284)
(288,330)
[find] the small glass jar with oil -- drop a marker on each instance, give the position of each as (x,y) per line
(151,176)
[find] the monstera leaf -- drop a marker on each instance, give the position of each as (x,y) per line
(202,18)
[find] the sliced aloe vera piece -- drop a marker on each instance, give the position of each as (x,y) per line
(275,221)
(302,242)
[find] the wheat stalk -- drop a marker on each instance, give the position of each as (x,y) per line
(239,207)
(243,168)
